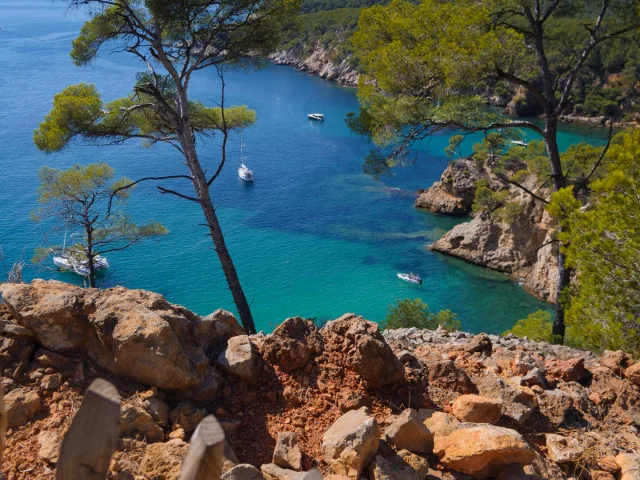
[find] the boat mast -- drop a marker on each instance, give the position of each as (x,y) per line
(242,145)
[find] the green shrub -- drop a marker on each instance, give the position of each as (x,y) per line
(536,327)
(415,313)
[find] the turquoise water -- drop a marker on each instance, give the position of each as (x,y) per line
(313,236)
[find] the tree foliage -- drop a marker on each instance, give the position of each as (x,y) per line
(602,242)
(536,327)
(89,199)
(415,313)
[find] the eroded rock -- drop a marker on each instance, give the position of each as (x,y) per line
(292,344)
(21,406)
(477,409)
(287,453)
(408,432)
(563,449)
(241,358)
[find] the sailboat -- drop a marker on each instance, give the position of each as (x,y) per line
(243,171)
(75,260)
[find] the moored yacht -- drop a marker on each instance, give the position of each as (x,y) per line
(316,116)
(243,171)
(410,277)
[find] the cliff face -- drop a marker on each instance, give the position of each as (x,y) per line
(345,399)
(520,248)
(319,62)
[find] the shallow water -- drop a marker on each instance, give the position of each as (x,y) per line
(313,236)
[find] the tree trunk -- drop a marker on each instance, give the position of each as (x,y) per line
(90,256)
(559,182)
(229,269)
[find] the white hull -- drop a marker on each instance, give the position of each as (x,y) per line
(245,174)
(65,263)
(316,116)
(409,278)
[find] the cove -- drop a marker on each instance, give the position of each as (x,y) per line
(313,236)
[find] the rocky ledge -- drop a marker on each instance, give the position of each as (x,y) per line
(319,62)
(521,248)
(344,401)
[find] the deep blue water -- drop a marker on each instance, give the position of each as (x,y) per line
(313,236)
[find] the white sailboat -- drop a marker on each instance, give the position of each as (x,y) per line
(74,260)
(243,171)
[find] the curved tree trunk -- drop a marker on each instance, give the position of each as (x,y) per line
(204,198)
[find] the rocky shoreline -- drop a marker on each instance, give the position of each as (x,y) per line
(521,248)
(319,62)
(344,401)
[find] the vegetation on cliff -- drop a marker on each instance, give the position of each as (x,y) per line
(423,62)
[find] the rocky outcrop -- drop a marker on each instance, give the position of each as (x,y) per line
(292,344)
(454,193)
(477,409)
(319,62)
(131,333)
(241,358)
(520,248)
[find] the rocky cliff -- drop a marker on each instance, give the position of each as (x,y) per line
(520,247)
(346,400)
(319,62)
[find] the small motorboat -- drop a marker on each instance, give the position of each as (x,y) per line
(411,278)
(71,263)
(316,116)
(520,143)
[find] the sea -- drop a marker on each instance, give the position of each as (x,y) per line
(312,236)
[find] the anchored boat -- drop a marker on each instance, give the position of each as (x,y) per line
(243,171)
(411,278)
(316,116)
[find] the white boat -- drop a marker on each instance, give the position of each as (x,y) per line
(411,278)
(243,171)
(316,116)
(69,263)
(520,143)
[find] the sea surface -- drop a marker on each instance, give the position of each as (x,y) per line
(312,236)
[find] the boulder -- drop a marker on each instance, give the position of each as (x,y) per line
(518,403)
(444,374)
(480,344)
(218,327)
(482,450)
(629,464)
(563,449)
(51,382)
(572,370)
(292,344)
(158,410)
(45,358)
(408,432)
(187,416)
(135,421)
(350,444)
(21,406)
(287,453)
(163,461)
(534,377)
(555,406)
(241,359)
(369,354)
(477,409)
(49,446)
(633,373)
(271,471)
(402,466)
(616,361)
(16,344)
(440,424)
(244,471)
(131,333)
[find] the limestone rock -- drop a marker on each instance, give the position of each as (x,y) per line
(135,421)
(408,432)
(616,361)
(477,409)
(629,464)
(480,343)
(287,453)
(49,443)
(369,354)
(518,403)
(131,333)
(633,373)
(292,344)
(271,471)
(482,450)
(162,461)
(16,344)
(21,406)
(555,406)
(46,358)
(455,192)
(187,416)
(158,410)
(218,327)
(440,424)
(241,358)
(444,374)
(572,370)
(350,444)
(563,449)
(244,471)
(402,466)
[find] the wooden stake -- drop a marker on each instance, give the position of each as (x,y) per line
(92,438)
(205,456)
